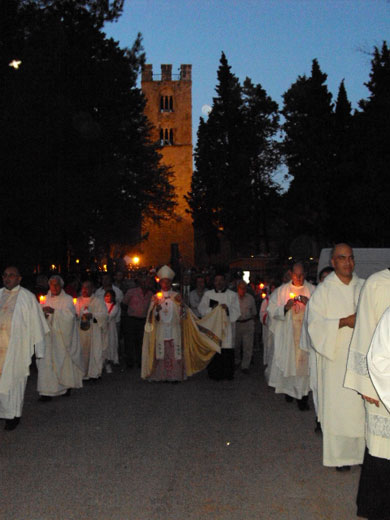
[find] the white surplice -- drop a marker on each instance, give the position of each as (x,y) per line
(340,410)
(26,335)
(289,371)
(230,299)
(111,342)
(92,340)
(62,367)
(374,299)
(378,359)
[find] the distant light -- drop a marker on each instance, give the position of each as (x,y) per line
(261,285)
(157,279)
(77,261)
(136,260)
(252,256)
(228,443)
(290,257)
(53,267)
(15,64)
(311,258)
(105,268)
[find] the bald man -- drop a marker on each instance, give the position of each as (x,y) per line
(331,320)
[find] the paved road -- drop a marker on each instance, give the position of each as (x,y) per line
(125,449)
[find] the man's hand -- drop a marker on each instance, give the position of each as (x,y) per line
(288,305)
(48,310)
(348,321)
(371,400)
(304,299)
(88,316)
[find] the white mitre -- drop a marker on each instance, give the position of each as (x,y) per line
(166,272)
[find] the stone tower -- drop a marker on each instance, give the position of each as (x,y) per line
(169,109)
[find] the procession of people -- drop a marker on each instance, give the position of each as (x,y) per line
(332,339)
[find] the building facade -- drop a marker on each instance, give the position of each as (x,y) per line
(169,109)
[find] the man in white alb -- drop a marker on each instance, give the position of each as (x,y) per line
(289,370)
(61,368)
(331,319)
(22,331)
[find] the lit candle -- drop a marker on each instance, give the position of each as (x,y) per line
(263,295)
(74,301)
(159,295)
(292,295)
(261,285)
(42,299)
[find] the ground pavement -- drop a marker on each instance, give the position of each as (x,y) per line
(126,449)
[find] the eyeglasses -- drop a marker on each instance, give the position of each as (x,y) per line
(10,275)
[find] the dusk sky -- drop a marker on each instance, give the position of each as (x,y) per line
(271,41)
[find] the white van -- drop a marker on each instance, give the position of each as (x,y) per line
(367,260)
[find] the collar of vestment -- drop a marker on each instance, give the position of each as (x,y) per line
(222,291)
(12,290)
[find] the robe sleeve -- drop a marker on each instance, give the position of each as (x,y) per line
(100,312)
(357,377)
(378,359)
(323,331)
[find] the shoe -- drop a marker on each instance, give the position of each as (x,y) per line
(45,398)
(11,424)
(288,398)
(343,468)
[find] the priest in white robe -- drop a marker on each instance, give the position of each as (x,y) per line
(289,369)
(92,317)
(374,300)
(331,319)
(162,354)
(61,369)
(22,332)
(222,365)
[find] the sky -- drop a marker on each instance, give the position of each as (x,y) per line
(270,41)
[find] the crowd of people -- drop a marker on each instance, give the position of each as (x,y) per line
(331,339)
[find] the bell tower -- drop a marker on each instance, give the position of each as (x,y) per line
(169,109)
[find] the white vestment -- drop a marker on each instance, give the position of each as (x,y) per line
(25,333)
(92,340)
(340,410)
(289,371)
(378,359)
(230,299)
(111,333)
(62,367)
(374,299)
(99,293)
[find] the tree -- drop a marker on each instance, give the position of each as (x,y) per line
(78,158)
(308,149)
(372,153)
(234,160)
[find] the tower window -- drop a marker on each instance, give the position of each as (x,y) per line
(166,136)
(166,103)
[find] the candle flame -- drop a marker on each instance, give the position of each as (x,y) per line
(263,295)
(74,301)
(42,299)
(261,285)
(292,295)
(159,295)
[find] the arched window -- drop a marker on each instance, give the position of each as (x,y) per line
(166,103)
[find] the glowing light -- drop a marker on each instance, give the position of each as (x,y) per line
(292,295)
(228,443)
(74,301)
(42,299)
(53,267)
(77,261)
(263,295)
(159,295)
(15,64)
(136,260)
(157,279)
(105,268)
(290,257)
(261,285)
